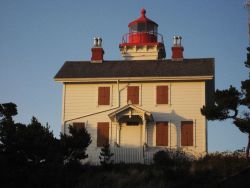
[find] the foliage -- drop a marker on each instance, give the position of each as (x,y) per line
(208,171)
(74,145)
(227,103)
(7,110)
(106,155)
(171,158)
(38,144)
(33,143)
(222,163)
(30,156)
(225,106)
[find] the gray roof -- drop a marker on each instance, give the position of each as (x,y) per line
(142,68)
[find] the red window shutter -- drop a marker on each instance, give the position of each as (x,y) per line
(162,134)
(187,133)
(78,125)
(133,94)
(103,95)
(102,134)
(162,94)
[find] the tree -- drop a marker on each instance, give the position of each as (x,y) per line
(33,143)
(106,155)
(37,143)
(227,104)
(8,132)
(74,146)
(7,110)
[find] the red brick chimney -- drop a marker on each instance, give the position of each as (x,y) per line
(177,49)
(97,51)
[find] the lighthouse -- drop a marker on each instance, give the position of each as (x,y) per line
(141,104)
(143,42)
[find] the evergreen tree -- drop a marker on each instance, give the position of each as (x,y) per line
(105,155)
(38,144)
(74,146)
(33,143)
(226,106)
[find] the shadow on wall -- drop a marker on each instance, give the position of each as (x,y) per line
(174,121)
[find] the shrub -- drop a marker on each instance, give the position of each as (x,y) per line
(171,158)
(222,163)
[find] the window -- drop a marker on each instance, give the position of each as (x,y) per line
(78,125)
(162,94)
(102,134)
(133,94)
(103,95)
(187,133)
(162,134)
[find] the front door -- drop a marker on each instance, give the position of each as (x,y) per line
(131,135)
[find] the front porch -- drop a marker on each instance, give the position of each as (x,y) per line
(130,125)
(131,135)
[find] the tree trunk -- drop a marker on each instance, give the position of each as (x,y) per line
(248,146)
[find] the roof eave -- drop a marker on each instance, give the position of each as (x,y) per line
(114,79)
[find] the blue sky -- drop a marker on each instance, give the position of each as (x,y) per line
(36,37)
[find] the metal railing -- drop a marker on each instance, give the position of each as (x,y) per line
(141,37)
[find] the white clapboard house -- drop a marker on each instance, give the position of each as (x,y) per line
(140,104)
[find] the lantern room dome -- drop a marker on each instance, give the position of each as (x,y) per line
(142,20)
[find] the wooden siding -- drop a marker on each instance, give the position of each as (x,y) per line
(184,102)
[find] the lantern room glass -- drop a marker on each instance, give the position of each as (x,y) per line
(143,27)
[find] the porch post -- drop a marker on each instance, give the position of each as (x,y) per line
(118,134)
(144,139)
(143,131)
(115,132)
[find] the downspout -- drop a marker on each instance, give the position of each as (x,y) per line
(118,106)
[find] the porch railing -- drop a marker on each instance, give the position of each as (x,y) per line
(133,155)
(142,155)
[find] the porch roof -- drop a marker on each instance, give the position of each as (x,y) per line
(130,110)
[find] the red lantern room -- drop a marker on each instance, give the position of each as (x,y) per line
(142,33)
